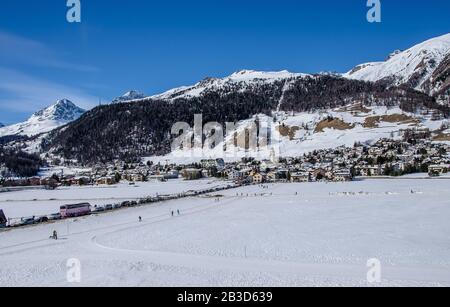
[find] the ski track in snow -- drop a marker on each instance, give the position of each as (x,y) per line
(115,249)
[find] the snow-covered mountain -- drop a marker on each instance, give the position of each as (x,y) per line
(1,125)
(129,96)
(239,81)
(415,67)
(60,113)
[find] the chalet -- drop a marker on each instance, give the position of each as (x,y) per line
(319,174)
(105,181)
(234,175)
(191,174)
(438,170)
(301,177)
(138,177)
(213,163)
(259,177)
(367,171)
(342,176)
(35,181)
(273,176)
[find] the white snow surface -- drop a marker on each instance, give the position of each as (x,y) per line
(41,202)
(422,58)
(52,117)
(306,141)
(323,236)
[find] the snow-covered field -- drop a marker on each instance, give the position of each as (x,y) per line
(313,234)
(42,202)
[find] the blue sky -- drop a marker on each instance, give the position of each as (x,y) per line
(153,46)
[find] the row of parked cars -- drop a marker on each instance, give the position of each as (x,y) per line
(36,220)
(77,210)
(71,211)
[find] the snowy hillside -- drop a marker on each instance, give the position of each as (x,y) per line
(56,115)
(413,67)
(295,134)
(244,80)
(129,96)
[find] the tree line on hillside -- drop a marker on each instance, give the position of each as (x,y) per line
(131,130)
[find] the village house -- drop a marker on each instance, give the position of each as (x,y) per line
(234,175)
(300,177)
(259,178)
(213,163)
(438,170)
(192,174)
(367,171)
(105,181)
(342,176)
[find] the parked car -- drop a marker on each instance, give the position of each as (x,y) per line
(108,207)
(54,217)
(27,221)
(126,204)
(117,206)
(40,219)
(98,209)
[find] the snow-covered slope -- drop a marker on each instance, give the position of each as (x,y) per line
(295,134)
(242,80)
(56,115)
(413,67)
(129,96)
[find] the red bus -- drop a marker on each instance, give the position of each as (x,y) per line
(75,210)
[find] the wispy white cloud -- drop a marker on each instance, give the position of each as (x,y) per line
(24,51)
(23,92)
(20,92)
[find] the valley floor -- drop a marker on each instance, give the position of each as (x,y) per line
(315,234)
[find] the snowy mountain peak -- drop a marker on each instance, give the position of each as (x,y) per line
(58,114)
(129,96)
(1,125)
(63,110)
(413,67)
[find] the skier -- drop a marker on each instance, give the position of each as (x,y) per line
(178,211)
(173,214)
(55,235)
(140,219)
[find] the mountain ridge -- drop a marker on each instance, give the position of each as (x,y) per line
(414,67)
(56,115)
